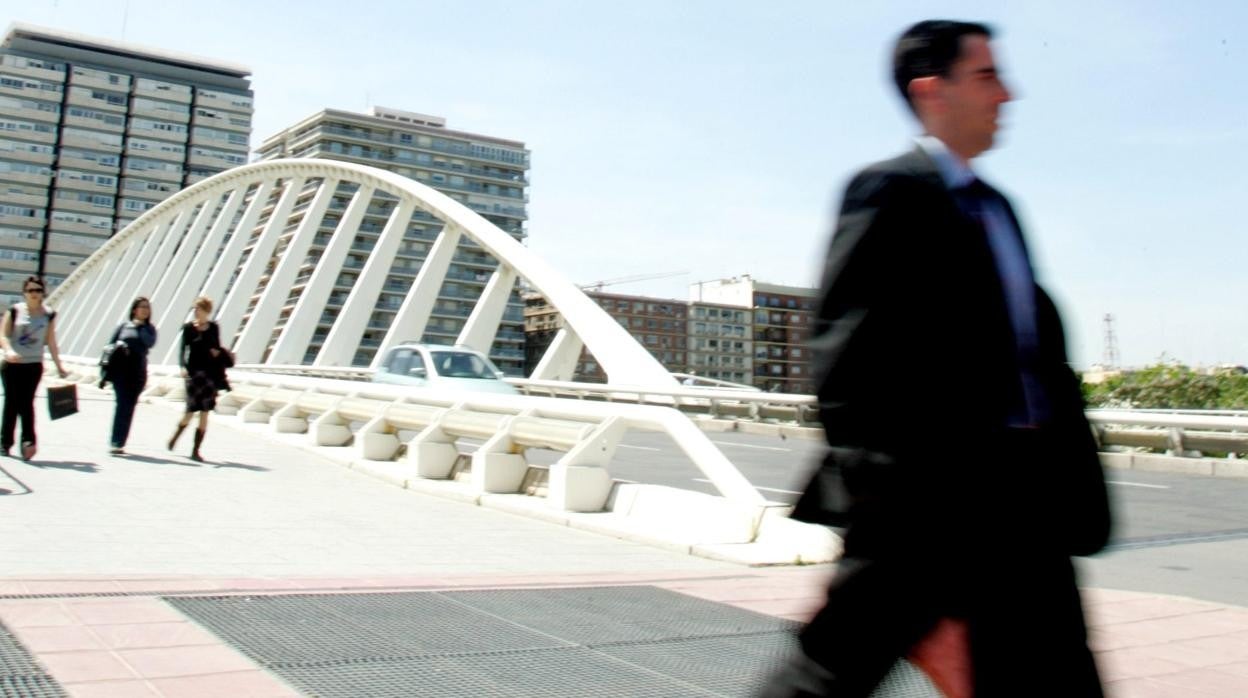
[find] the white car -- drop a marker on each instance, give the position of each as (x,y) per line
(440,366)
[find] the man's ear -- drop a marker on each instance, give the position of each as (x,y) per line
(922,90)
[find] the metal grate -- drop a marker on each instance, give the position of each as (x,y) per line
(20,676)
(574,642)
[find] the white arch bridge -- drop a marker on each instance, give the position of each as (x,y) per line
(299,290)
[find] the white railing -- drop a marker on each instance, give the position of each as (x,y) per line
(385,422)
(714,401)
(1179,432)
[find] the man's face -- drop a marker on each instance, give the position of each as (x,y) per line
(970,98)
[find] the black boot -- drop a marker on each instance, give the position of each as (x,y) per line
(199,439)
(173,440)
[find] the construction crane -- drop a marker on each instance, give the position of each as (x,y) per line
(599,285)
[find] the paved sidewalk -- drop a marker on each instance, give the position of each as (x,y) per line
(88,542)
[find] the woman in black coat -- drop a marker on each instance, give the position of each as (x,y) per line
(127,367)
(201,357)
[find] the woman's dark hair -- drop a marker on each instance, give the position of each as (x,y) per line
(36,281)
(134,306)
(930,48)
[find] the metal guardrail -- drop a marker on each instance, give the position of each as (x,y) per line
(1177,432)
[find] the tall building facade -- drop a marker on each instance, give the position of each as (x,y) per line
(658,324)
(783,317)
(95,132)
(488,175)
(736,330)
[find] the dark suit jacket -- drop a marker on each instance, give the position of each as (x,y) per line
(947,510)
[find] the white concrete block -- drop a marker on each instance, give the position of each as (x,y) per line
(578,487)
(1171,464)
(1116,460)
(687,516)
(498,472)
(1230,468)
(432,459)
(377,445)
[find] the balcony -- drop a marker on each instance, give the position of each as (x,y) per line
(35,73)
(97,124)
(73,163)
(99,81)
(169,95)
(224,101)
(222,122)
(26,178)
(86,100)
(47,117)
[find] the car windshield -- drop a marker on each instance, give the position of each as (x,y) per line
(461,364)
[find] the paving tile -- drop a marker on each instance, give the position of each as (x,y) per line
(150,635)
(1134,663)
(247,684)
(1148,688)
(12,587)
(1149,608)
(1161,630)
(59,638)
(95,612)
(185,661)
(1203,651)
(31,614)
(1211,682)
(111,689)
(70,667)
(70,586)
(1237,668)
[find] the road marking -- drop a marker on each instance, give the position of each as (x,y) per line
(765,489)
(1137,484)
(762,448)
(640,448)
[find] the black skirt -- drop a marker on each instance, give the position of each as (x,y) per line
(201,392)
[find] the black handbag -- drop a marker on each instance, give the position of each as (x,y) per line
(113,355)
(62,400)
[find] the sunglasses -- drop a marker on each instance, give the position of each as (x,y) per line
(34,290)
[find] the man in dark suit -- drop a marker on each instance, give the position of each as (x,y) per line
(961,465)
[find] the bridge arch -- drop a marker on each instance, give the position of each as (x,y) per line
(231,238)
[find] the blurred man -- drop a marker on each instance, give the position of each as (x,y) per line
(961,465)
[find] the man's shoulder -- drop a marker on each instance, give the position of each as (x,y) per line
(900,172)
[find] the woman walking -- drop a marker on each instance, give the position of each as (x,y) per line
(26,329)
(199,358)
(128,368)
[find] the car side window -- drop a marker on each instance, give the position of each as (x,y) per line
(399,361)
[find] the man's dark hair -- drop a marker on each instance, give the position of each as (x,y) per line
(930,48)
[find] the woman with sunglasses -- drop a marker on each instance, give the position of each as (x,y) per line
(128,369)
(26,329)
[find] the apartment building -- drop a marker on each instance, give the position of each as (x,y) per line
(94,132)
(782,320)
(487,174)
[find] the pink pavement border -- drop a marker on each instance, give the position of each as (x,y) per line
(1147,645)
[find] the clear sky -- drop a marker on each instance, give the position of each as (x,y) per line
(713,137)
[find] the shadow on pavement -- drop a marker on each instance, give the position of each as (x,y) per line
(7,491)
(240,466)
(149,459)
(64,465)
